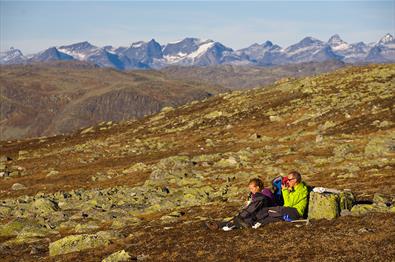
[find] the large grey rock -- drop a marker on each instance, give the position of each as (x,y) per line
(323,206)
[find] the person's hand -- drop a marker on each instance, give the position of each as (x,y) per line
(283,187)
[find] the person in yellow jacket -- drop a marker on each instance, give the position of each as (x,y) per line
(295,194)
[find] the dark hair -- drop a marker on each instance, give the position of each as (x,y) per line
(257,181)
(296,175)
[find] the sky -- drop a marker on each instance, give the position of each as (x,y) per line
(33,26)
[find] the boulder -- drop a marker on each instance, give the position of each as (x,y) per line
(118,257)
(363,209)
(323,206)
(75,243)
(44,206)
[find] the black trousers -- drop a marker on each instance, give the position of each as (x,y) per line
(275,214)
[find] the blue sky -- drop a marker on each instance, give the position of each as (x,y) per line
(33,25)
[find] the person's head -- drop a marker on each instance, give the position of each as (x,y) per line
(294,178)
(255,185)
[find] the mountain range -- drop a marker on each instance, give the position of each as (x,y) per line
(197,52)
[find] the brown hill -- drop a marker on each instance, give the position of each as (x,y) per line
(149,184)
(247,77)
(55,98)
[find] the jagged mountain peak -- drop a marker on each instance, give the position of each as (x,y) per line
(388,38)
(151,54)
(12,56)
(310,40)
(267,44)
(51,54)
(80,46)
(336,40)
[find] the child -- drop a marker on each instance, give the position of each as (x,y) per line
(260,197)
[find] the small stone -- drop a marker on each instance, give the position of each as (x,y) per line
(18,186)
(118,257)
(275,118)
(22,154)
(167,109)
(88,130)
(53,173)
(319,138)
(213,114)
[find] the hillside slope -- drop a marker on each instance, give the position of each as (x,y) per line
(247,77)
(55,98)
(150,183)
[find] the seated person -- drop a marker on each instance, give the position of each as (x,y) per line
(295,195)
(260,197)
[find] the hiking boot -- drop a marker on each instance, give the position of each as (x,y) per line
(212,225)
(228,228)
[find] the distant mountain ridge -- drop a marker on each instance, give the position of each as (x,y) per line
(197,52)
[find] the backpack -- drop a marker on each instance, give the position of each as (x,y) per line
(276,185)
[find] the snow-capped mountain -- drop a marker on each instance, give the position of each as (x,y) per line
(51,54)
(196,52)
(12,56)
(337,44)
(259,53)
(309,49)
(383,51)
(79,51)
(193,51)
(143,53)
(351,53)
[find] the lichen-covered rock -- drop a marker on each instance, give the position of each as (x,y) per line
(75,243)
(325,205)
(347,200)
(229,162)
(362,209)
(214,114)
(44,206)
(12,228)
(118,257)
(5,211)
(86,227)
(379,146)
(382,200)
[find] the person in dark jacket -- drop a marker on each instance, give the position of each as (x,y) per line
(260,197)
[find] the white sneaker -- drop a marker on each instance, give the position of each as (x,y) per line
(257,224)
(226,228)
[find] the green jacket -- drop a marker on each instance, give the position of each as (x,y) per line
(297,198)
